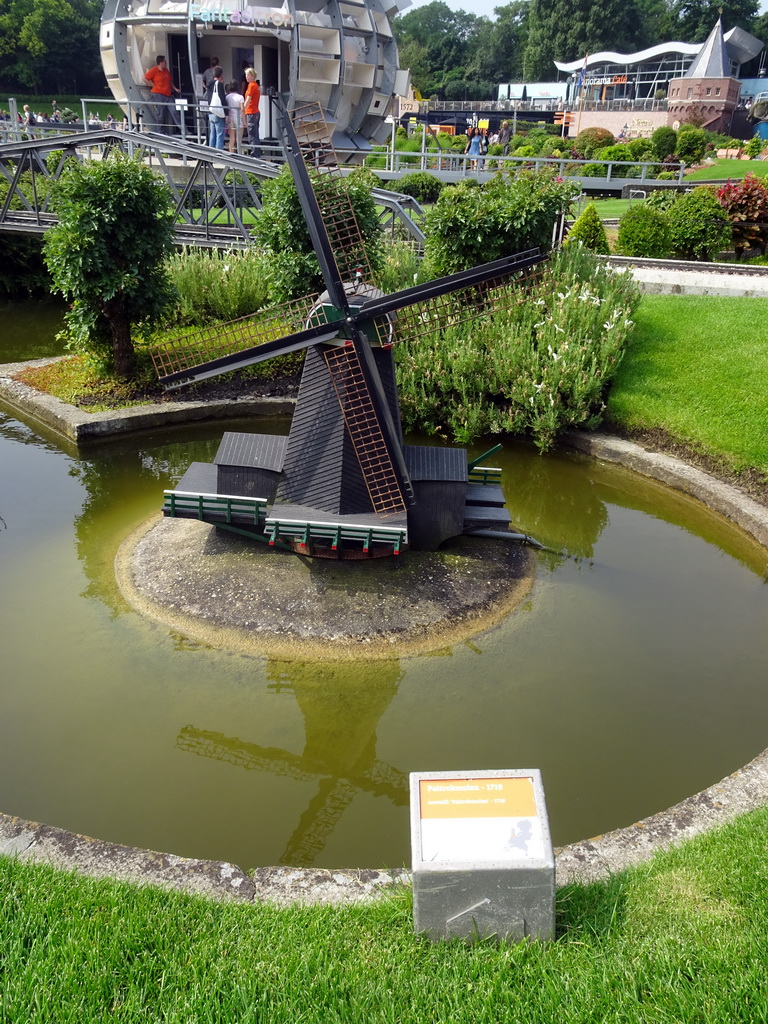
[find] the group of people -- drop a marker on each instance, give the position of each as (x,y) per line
(232,108)
(479,139)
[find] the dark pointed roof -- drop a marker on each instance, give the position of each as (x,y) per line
(712,60)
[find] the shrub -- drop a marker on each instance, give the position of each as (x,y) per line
(468,226)
(662,198)
(618,151)
(536,369)
(644,231)
(551,145)
(746,204)
(691,142)
(216,286)
(420,185)
(588,230)
(700,227)
(664,141)
(281,231)
(525,151)
(592,170)
(589,141)
(641,149)
(754,147)
(402,267)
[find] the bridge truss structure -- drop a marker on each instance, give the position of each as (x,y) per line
(215,193)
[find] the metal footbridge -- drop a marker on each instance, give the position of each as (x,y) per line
(216,194)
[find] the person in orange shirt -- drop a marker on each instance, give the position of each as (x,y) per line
(251,110)
(159,77)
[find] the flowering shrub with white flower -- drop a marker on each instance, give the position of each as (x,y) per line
(535,370)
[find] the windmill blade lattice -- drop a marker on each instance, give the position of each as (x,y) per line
(331,194)
(207,347)
(365,431)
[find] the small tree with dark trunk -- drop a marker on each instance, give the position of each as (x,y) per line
(106,255)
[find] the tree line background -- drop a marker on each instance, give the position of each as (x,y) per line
(454,55)
(51,46)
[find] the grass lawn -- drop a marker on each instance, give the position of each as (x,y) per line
(682,939)
(41,104)
(609,209)
(697,367)
(729,169)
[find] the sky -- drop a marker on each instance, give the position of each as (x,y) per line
(483,8)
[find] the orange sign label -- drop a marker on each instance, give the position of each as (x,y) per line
(477,798)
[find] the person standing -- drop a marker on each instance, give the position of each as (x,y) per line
(235,117)
(208,76)
(251,109)
(159,77)
(217,110)
(473,146)
(504,136)
(29,122)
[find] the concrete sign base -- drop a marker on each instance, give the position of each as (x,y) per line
(483,864)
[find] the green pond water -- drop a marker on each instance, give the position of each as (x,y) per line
(634,675)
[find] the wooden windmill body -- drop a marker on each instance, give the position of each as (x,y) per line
(342,483)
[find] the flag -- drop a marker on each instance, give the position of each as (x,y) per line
(582,74)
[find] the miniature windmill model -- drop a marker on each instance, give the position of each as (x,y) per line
(342,484)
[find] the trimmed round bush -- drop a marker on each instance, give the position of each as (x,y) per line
(691,143)
(664,141)
(420,185)
(590,140)
(644,231)
(589,231)
(641,149)
(700,227)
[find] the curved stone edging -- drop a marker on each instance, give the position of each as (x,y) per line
(585,861)
(82,427)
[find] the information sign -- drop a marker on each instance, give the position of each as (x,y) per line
(505,823)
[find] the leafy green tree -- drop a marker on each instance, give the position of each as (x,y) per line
(656,24)
(106,255)
(497,47)
(695,19)
(567,29)
(51,45)
(445,36)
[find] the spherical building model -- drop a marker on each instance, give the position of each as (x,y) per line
(338,53)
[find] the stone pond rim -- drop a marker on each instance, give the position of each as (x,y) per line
(585,861)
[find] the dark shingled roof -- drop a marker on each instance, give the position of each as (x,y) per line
(257,451)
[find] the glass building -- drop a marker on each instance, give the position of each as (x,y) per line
(614,76)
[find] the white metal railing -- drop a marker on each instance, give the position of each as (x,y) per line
(543,105)
(398,162)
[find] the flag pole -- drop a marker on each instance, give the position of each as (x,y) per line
(582,79)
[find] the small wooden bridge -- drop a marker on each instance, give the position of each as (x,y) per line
(216,194)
